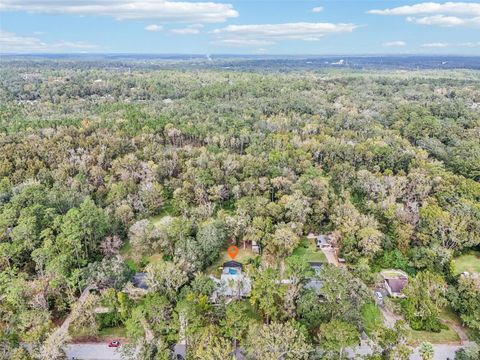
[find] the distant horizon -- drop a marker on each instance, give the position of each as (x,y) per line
(206,55)
(280,62)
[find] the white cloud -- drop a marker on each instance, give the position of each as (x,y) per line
(395,44)
(13,43)
(264,34)
(154,28)
(454,8)
(435,45)
(317,9)
(446,21)
(470,44)
(164,10)
(189,30)
(440,45)
(430,13)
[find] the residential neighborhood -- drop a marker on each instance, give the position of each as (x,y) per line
(239,180)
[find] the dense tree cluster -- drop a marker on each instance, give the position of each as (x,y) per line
(101,171)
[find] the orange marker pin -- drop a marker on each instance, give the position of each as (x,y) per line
(232,251)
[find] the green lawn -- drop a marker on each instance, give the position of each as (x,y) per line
(118,332)
(469,261)
(243,256)
(447,336)
(447,314)
(372,318)
(309,252)
(443,337)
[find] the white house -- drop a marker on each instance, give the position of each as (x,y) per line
(233,283)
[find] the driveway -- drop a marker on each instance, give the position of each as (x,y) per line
(331,256)
(389,317)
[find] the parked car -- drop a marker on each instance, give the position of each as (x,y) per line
(379,298)
(114,344)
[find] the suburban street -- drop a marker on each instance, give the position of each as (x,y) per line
(94,351)
(442,352)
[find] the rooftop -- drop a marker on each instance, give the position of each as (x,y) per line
(232,264)
(139,280)
(397,285)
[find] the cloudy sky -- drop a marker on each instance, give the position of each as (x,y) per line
(240,26)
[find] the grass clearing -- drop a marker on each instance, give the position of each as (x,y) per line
(309,252)
(372,318)
(447,314)
(119,332)
(448,336)
(243,256)
(469,261)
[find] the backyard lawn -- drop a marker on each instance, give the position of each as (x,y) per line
(469,261)
(372,318)
(309,252)
(242,257)
(113,333)
(448,336)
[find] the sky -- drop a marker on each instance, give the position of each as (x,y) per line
(304,27)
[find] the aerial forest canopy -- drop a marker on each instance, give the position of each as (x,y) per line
(110,171)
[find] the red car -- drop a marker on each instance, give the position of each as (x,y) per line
(114,344)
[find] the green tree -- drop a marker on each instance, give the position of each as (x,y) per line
(236,321)
(343,295)
(277,341)
(165,277)
(337,335)
(426,351)
(212,346)
(267,294)
(391,343)
(425,296)
(465,298)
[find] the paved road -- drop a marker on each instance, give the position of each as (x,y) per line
(91,351)
(103,352)
(442,352)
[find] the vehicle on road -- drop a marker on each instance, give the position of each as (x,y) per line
(114,344)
